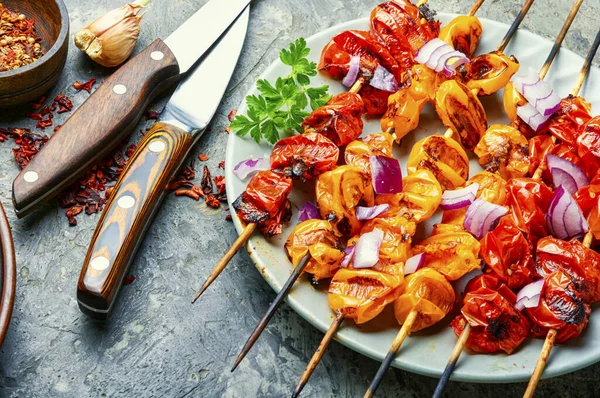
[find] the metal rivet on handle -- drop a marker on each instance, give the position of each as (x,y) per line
(157,55)
(120,89)
(31,176)
(126,202)
(100,263)
(156,146)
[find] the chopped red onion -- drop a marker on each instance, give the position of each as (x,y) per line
(537,92)
(441,57)
(366,251)
(414,264)
(386,175)
(383,80)
(369,213)
(482,217)
(249,167)
(352,75)
(531,116)
(567,174)
(564,218)
(349,253)
(459,198)
(529,296)
(308,211)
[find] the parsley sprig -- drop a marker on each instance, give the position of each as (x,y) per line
(282,106)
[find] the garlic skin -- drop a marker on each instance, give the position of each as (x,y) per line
(110,39)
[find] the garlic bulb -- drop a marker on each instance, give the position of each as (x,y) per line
(110,39)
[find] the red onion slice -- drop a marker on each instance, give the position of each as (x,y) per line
(383,80)
(441,57)
(366,251)
(564,218)
(249,167)
(386,175)
(308,211)
(414,264)
(482,217)
(352,75)
(369,213)
(529,296)
(457,58)
(459,198)
(349,253)
(531,116)
(537,92)
(567,174)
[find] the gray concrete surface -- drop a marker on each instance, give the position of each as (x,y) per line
(156,343)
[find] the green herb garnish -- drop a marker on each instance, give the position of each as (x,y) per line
(282,106)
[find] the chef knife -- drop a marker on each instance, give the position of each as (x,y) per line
(105,119)
(144,182)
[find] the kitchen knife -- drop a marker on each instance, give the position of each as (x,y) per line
(144,182)
(105,119)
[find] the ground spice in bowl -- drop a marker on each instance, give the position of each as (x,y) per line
(19,42)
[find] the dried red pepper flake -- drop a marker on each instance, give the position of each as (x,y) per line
(222,164)
(42,124)
(109,192)
(203,157)
(228,217)
(63,103)
(128,280)
(39,103)
(232,114)
(191,193)
(206,183)
(71,213)
(180,183)
(220,183)
(130,150)
(28,144)
(188,173)
(87,86)
(152,115)
(212,201)
(228,130)
(57,127)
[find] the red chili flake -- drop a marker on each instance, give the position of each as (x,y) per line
(40,115)
(228,217)
(152,115)
(71,212)
(128,280)
(212,201)
(87,86)
(220,183)
(203,157)
(194,193)
(109,192)
(40,102)
(42,124)
(130,150)
(28,144)
(206,184)
(63,103)
(222,164)
(188,173)
(57,127)
(180,183)
(232,114)
(227,130)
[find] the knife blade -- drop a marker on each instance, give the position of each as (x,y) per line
(144,182)
(104,120)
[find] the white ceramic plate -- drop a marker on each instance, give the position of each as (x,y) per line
(424,352)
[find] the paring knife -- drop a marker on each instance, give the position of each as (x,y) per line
(144,182)
(105,119)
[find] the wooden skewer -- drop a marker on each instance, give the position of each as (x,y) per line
(316,358)
(515,26)
(586,66)
(271,310)
(475,7)
(458,349)
(391,355)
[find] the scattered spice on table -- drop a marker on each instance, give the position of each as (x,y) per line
(28,144)
(203,157)
(19,42)
(44,116)
(212,201)
(128,280)
(222,164)
(87,86)
(152,115)
(232,114)
(227,130)
(206,183)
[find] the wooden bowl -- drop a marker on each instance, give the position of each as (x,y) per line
(30,82)
(8,274)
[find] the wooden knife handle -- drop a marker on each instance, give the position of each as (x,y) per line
(96,128)
(128,213)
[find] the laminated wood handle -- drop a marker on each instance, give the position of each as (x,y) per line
(127,215)
(96,128)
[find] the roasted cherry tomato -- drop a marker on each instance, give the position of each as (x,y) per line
(463,34)
(362,294)
(304,156)
(420,197)
(397,237)
(582,264)
(274,225)
(376,101)
(504,150)
(490,281)
(450,250)
(496,324)
(400,27)
(588,200)
(488,73)
(359,151)
(492,188)
(317,239)
(427,292)
(444,157)
(340,120)
(506,252)
(539,146)
(588,162)
(263,198)
(528,201)
(588,140)
(566,123)
(561,308)
(339,192)
(461,111)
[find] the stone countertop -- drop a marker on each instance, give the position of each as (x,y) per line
(156,343)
